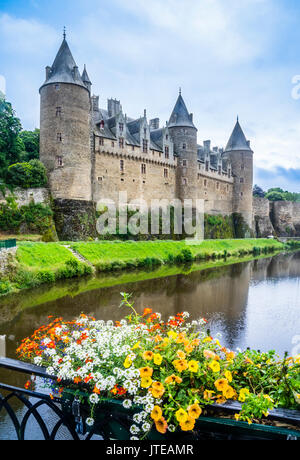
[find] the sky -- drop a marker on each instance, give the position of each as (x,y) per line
(230,57)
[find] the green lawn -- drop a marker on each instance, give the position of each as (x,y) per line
(39,256)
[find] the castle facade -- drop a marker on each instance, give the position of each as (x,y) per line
(92,153)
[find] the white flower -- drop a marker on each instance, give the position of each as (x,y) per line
(90,422)
(127,404)
(146,427)
(134,438)
(172,428)
(94,399)
(134,429)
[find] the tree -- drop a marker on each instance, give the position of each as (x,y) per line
(275,196)
(27,175)
(11,145)
(258,191)
(31,140)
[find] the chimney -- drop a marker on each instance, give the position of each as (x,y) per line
(113,107)
(95,103)
(154,124)
(207,146)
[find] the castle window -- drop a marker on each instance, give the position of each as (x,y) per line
(184,146)
(57,87)
(229,173)
(241,180)
(167,152)
(121,142)
(112,144)
(242,167)
(132,147)
(218,186)
(205,183)
(184,163)
(207,165)
(145,146)
(100,179)
(220,170)
(102,124)
(121,127)
(143,168)
(167,137)
(166,173)
(101,141)
(184,181)
(58,111)
(242,194)
(59,137)
(122,166)
(59,161)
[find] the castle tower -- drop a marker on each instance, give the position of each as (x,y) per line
(65,128)
(65,143)
(184,135)
(240,155)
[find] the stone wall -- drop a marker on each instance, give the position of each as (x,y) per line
(262,224)
(6,257)
(25,197)
(286,218)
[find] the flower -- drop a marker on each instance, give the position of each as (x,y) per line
(228,376)
(193,366)
(156,414)
(90,422)
(172,335)
(194,411)
(128,362)
(188,424)
(215,366)
(148,355)
(181,415)
(208,395)
(221,384)
(180,365)
(146,372)
(146,382)
(127,404)
(229,392)
(161,426)
(243,394)
(157,390)
(173,379)
(157,359)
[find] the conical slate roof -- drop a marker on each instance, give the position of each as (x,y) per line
(85,78)
(237,140)
(180,115)
(64,68)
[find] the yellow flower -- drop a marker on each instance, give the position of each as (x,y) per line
(156,413)
(146,382)
(243,393)
(128,362)
(215,366)
(237,417)
(181,354)
(181,416)
(189,348)
(181,338)
(188,425)
(297,359)
(230,356)
(172,335)
(146,372)
(157,390)
(195,411)
(161,426)
(207,340)
(136,346)
(193,366)
(173,379)
(208,395)
(229,392)
(157,359)
(221,384)
(148,355)
(208,354)
(228,376)
(181,365)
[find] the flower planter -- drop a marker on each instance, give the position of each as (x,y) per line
(113,422)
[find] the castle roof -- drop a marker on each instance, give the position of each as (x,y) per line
(237,140)
(85,78)
(64,68)
(180,115)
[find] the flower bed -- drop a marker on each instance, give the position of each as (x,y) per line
(159,375)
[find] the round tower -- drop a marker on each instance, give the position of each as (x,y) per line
(65,128)
(240,155)
(184,135)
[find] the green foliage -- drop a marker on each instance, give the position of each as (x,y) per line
(31,141)
(37,217)
(218,227)
(258,192)
(11,145)
(275,196)
(27,175)
(5,287)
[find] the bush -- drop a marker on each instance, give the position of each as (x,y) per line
(5,287)
(27,175)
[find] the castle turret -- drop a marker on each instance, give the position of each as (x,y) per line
(65,144)
(86,80)
(65,128)
(184,136)
(240,155)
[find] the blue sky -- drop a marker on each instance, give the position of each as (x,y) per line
(231,57)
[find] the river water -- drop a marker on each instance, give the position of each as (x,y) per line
(252,304)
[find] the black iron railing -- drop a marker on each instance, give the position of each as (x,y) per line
(67,420)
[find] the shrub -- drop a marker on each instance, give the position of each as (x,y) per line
(27,175)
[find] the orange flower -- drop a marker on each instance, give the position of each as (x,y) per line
(146,372)
(148,355)
(96,391)
(161,426)
(195,411)
(188,425)
(173,379)
(157,390)
(181,365)
(156,414)
(181,354)
(147,311)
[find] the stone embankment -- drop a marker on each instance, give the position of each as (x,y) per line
(280,218)
(6,258)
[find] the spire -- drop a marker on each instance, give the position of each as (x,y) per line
(180,115)
(237,140)
(64,34)
(64,68)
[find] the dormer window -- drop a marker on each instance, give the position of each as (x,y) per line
(145,146)
(102,124)
(167,152)
(101,141)
(121,127)
(121,142)
(184,146)
(206,165)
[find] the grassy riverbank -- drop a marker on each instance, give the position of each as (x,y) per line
(40,263)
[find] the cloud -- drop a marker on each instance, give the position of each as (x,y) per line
(287,179)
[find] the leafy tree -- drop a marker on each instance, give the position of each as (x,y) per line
(11,145)
(258,191)
(31,140)
(275,196)
(27,175)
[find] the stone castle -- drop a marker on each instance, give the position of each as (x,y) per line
(92,153)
